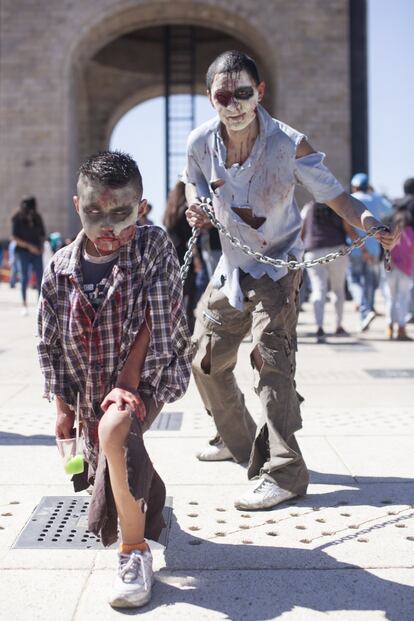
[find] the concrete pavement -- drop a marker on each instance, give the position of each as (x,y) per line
(345,552)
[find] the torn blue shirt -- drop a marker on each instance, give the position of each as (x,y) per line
(264,184)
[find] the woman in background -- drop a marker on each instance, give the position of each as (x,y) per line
(398,280)
(29,234)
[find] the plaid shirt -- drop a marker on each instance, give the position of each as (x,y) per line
(83,350)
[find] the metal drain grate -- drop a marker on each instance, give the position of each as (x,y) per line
(390,373)
(61,522)
(168,421)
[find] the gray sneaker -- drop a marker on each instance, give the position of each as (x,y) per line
(133,580)
(265,494)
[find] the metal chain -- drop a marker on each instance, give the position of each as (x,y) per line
(206,205)
(188,257)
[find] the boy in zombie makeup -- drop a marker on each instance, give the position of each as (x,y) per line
(249,164)
(113,331)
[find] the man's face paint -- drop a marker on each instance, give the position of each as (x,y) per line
(235,97)
(108,215)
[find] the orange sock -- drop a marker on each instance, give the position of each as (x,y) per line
(126,548)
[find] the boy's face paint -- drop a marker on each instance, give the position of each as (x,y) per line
(235,97)
(108,215)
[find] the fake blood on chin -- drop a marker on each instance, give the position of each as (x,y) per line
(112,243)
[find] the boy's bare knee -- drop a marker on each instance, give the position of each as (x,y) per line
(113,428)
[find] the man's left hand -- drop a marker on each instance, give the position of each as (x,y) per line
(389,238)
(124,398)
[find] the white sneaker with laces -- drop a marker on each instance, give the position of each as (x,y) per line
(133,580)
(366,322)
(215,452)
(265,494)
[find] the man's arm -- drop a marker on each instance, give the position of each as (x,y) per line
(352,210)
(356,214)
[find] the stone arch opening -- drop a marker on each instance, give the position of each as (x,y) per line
(143,124)
(117,63)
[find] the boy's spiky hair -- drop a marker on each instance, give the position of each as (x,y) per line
(113,169)
(232,62)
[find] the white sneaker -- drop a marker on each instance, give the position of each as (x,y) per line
(133,581)
(367,321)
(265,494)
(215,452)
(24,311)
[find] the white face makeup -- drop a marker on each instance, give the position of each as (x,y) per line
(235,97)
(108,215)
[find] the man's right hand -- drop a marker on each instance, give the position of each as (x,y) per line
(196,216)
(65,420)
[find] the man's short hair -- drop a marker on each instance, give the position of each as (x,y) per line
(409,186)
(112,169)
(232,62)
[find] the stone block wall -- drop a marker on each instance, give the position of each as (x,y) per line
(56,103)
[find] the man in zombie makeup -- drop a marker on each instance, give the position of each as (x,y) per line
(249,164)
(113,334)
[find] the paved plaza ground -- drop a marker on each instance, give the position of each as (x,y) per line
(344,552)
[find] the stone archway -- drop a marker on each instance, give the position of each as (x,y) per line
(53,59)
(119,63)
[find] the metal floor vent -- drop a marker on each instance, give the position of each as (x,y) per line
(168,421)
(61,522)
(390,373)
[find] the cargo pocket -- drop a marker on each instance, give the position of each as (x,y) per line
(275,385)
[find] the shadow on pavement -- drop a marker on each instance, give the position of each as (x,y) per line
(17,439)
(253,588)
(382,491)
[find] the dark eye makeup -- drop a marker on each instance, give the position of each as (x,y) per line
(243,93)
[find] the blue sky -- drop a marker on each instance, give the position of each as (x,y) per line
(391,104)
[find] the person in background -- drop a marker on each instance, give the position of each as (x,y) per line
(399,279)
(325,232)
(364,272)
(143,219)
(407,202)
(12,263)
(28,232)
(210,249)
(56,241)
(179,231)
(53,243)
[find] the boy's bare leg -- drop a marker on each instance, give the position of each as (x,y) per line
(113,432)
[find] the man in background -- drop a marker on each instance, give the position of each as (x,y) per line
(364,271)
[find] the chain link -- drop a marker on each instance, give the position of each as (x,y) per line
(206,206)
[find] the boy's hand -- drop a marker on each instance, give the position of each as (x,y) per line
(124,398)
(65,422)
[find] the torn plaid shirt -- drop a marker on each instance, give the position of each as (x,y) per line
(83,350)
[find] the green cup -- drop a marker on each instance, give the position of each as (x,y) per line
(71,451)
